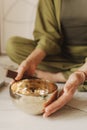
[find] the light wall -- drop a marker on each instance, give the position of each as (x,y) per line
(18,17)
(0,26)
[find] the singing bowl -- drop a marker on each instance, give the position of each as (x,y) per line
(32,95)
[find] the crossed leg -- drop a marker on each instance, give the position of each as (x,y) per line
(18,48)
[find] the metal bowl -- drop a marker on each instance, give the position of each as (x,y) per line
(32,95)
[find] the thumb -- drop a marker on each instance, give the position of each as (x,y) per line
(20,74)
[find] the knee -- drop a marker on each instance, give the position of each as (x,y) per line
(11,45)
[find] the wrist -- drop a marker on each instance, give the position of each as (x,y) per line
(82,75)
(83,69)
(36,56)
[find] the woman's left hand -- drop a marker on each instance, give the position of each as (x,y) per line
(70,87)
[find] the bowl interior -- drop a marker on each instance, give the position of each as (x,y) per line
(34,87)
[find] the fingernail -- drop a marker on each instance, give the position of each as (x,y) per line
(44,116)
(11,83)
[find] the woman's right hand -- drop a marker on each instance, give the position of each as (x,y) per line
(26,67)
(29,65)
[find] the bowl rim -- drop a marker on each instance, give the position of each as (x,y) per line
(18,95)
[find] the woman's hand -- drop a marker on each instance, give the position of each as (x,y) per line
(70,87)
(26,67)
(29,65)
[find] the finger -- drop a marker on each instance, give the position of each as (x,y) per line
(21,71)
(52,98)
(61,92)
(59,103)
(13,81)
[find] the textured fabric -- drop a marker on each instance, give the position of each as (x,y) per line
(46,31)
(50,37)
(18,48)
(74,27)
(74,21)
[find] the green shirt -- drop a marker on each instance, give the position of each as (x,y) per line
(47,26)
(48,32)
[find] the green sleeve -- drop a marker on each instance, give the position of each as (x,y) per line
(46,31)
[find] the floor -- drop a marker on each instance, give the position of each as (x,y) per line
(73,116)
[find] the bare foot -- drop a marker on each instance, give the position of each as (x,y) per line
(54,77)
